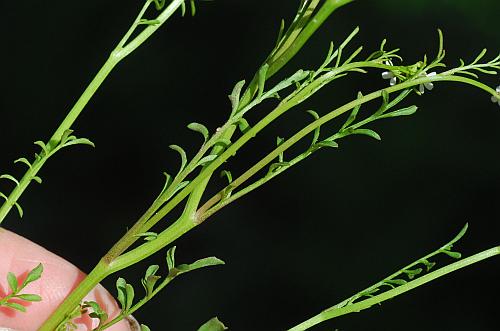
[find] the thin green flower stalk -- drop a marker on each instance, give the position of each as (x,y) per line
(63,137)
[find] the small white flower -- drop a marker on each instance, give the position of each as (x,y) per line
(494,98)
(389,74)
(429,85)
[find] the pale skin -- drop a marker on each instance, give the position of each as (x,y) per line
(59,278)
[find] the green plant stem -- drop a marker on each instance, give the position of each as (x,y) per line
(280,57)
(138,305)
(152,216)
(54,140)
(148,32)
(114,257)
(106,268)
(118,54)
(186,223)
(98,274)
(317,123)
(356,307)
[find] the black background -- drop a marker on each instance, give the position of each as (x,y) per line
(333,225)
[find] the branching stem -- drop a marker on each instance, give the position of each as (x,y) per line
(367,303)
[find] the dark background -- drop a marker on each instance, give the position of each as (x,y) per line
(333,225)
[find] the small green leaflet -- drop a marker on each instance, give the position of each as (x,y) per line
(150,279)
(207,159)
(228,175)
(12,281)
(327,143)
(33,275)
(401,112)
(200,128)
(213,325)
(149,22)
(317,131)
(125,294)
(174,271)
(235,96)
(354,113)
(11,178)
(243,125)
(97,311)
(148,236)
(183,155)
(15,306)
(367,132)
(262,79)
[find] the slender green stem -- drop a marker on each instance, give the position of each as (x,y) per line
(324,12)
(281,56)
(118,54)
(147,32)
(151,217)
(317,123)
(56,137)
(186,223)
(138,305)
(134,25)
(100,272)
(356,307)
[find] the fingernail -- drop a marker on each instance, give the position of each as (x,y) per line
(134,325)
(7,329)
